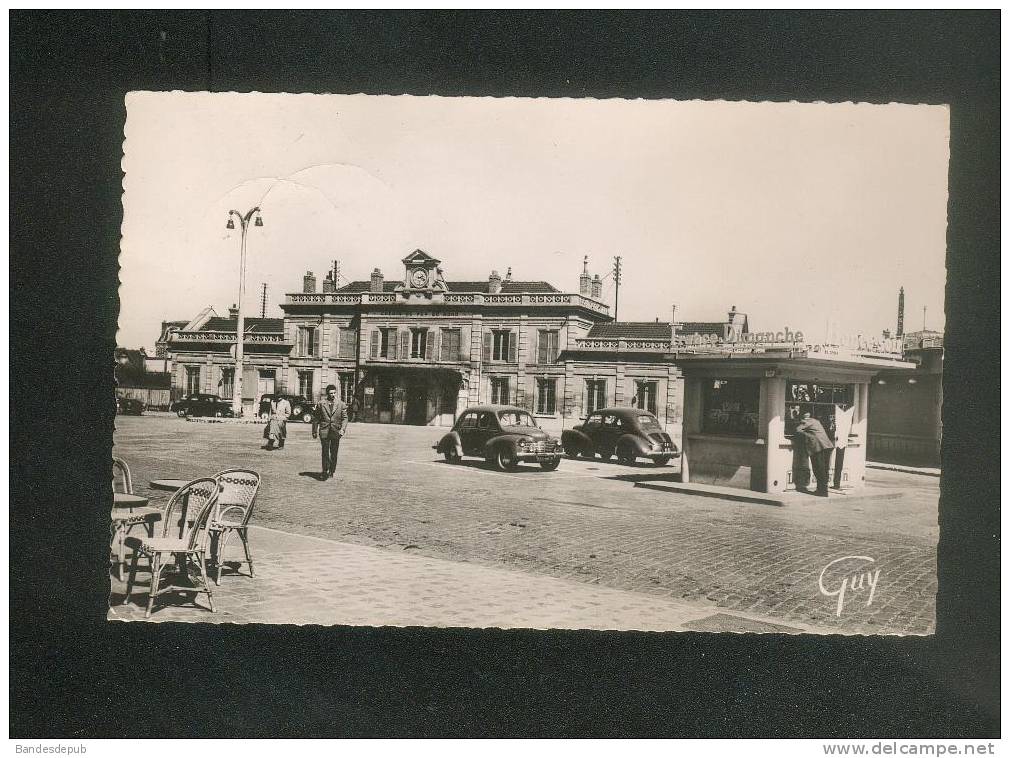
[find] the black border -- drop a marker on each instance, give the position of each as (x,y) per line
(74,675)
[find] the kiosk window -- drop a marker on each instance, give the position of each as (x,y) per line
(819,400)
(730,406)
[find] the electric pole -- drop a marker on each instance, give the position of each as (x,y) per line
(617,282)
(336,273)
(263,302)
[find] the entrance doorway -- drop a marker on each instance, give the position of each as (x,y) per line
(417,405)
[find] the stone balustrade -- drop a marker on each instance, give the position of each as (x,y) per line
(452,298)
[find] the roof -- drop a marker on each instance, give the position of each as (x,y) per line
(269,325)
(482,286)
(625,411)
(718,328)
(641,330)
(495,408)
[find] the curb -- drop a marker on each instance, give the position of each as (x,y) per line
(935,472)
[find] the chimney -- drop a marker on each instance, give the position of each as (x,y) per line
(309,282)
(597,287)
(585,283)
(376,282)
(328,284)
(673,321)
(494,283)
(901,313)
(508,274)
(233,311)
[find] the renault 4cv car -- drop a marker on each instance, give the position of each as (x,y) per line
(503,435)
(301,407)
(628,433)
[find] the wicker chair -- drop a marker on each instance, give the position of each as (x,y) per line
(235,501)
(124,519)
(188,510)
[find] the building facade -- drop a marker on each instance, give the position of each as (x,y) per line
(420,348)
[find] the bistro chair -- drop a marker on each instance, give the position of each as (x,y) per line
(125,518)
(235,501)
(188,510)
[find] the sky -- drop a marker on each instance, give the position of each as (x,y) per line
(809,216)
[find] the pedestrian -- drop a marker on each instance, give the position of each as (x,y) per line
(282,410)
(818,446)
(843,425)
(329,423)
(272,430)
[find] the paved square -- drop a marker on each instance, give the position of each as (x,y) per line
(669,560)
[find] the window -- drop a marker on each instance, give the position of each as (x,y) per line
(499,390)
(547,346)
(418,343)
(610,421)
(305,384)
(730,406)
(226,387)
(469,421)
(486,421)
(645,396)
(819,400)
(547,396)
(500,346)
(306,342)
(383,343)
(596,394)
(384,397)
(517,418)
(345,381)
(594,421)
(451,341)
(192,379)
(348,342)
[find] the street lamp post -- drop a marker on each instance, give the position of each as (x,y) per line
(236,401)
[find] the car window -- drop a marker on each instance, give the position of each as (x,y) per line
(649,423)
(485,421)
(469,421)
(610,420)
(516,418)
(594,420)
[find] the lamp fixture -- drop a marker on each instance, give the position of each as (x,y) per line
(230,224)
(259,220)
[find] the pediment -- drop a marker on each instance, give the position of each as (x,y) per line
(420,258)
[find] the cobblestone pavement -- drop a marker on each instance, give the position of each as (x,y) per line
(582,523)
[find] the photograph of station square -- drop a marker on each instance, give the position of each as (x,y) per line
(523,374)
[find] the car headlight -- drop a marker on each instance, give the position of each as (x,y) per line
(522,444)
(657,446)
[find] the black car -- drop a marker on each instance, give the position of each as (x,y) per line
(628,433)
(301,407)
(503,435)
(129,406)
(198,404)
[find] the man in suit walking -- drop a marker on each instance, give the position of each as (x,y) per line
(329,423)
(818,446)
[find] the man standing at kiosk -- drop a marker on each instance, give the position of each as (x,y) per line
(818,446)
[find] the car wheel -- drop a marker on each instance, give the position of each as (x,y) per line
(571,451)
(218,414)
(662,461)
(550,465)
(505,460)
(307,417)
(180,413)
(451,456)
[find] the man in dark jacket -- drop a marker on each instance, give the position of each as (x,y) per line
(818,446)
(329,423)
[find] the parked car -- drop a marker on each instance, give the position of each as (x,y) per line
(203,405)
(503,435)
(628,433)
(129,406)
(301,407)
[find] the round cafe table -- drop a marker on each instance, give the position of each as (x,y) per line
(122,500)
(168,485)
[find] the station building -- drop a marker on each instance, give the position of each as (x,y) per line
(419,348)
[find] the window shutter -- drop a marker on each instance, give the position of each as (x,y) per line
(373,349)
(542,340)
(335,347)
(442,348)
(404,345)
(429,347)
(488,336)
(317,340)
(513,348)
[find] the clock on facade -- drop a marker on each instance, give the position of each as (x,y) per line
(419,277)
